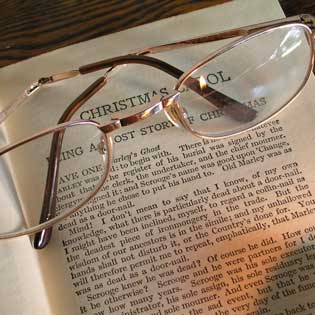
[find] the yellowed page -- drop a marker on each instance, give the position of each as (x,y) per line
(21,286)
(220,241)
(21,289)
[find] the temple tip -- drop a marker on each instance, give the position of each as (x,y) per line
(42,238)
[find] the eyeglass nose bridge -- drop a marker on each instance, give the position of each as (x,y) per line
(177,114)
(153,108)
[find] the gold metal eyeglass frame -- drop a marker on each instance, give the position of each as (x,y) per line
(170,104)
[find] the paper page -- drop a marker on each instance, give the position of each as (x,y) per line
(21,285)
(215,238)
(21,290)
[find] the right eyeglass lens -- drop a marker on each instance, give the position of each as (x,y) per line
(82,164)
(245,84)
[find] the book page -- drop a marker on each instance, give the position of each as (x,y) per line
(20,278)
(183,226)
(21,289)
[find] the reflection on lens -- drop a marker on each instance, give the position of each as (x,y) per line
(81,152)
(246,84)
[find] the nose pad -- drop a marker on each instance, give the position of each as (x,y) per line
(172,114)
(101,147)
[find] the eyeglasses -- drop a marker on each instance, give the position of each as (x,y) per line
(231,91)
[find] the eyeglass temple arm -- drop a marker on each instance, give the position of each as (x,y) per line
(216,97)
(49,201)
(42,238)
(235,109)
(228,105)
(242,31)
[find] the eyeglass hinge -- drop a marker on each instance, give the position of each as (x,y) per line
(37,85)
(51,79)
(33,88)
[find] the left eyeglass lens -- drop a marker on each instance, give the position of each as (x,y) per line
(245,84)
(83,159)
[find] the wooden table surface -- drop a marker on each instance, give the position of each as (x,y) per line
(32,27)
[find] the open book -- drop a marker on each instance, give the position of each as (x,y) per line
(183,226)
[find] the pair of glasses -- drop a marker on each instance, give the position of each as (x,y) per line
(232,90)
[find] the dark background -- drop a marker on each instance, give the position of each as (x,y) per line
(29,28)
